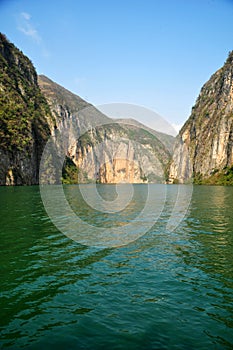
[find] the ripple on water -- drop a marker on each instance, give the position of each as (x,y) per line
(164,291)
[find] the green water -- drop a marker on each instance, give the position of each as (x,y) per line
(167,290)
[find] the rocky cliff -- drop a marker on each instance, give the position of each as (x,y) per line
(203,150)
(116,153)
(24,118)
(102,149)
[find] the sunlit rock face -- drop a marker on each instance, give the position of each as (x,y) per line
(117,159)
(205,142)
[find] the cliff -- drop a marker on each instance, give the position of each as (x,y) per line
(102,149)
(203,150)
(24,118)
(115,153)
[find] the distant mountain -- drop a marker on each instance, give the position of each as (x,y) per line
(204,147)
(166,139)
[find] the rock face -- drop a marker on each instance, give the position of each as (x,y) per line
(24,118)
(204,145)
(105,150)
(118,153)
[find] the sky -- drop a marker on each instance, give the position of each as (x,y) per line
(152,53)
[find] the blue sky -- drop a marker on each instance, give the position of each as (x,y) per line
(154,53)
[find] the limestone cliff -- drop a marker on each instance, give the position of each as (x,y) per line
(24,118)
(204,146)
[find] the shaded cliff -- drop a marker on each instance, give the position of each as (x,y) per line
(24,118)
(203,150)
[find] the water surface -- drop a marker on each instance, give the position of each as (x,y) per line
(167,290)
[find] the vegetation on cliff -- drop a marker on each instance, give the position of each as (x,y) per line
(218,177)
(24,117)
(70,172)
(23,108)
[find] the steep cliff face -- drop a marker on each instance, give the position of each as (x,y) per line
(116,153)
(104,150)
(24,118)
(204,146)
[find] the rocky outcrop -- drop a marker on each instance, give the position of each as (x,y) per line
(204,145)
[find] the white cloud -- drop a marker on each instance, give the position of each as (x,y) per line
(31,32)
(27,28)
(26,15)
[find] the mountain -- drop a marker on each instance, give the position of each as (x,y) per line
(85,145)
(103,149)
(203,150)
(25,118)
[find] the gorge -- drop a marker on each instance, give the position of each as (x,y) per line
(92,147)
